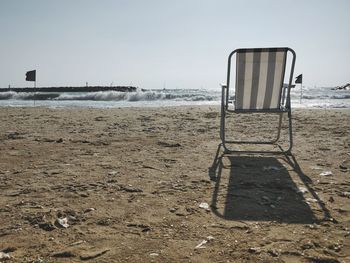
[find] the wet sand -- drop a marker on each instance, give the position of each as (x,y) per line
(132,184)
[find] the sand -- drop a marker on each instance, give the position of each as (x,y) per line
(125,185)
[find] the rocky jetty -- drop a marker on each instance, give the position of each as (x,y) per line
(73,89)
(344,87)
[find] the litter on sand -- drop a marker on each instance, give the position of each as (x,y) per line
(311,200)
(204,206)
(205,241)
(326,173)
(62,222)
(302,190)
(4,256)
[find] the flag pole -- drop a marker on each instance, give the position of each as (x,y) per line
(34,91)
(299,80)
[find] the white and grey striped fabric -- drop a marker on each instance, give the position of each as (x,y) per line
(259,78)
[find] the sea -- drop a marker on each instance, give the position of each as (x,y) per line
(307,97)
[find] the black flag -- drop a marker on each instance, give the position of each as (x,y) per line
(30,75)
(299,79)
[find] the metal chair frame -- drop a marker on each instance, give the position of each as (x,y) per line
(284,106)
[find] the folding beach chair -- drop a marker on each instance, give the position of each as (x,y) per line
(258,88)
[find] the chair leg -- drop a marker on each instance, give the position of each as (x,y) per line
(279,129)
(290,132)
(223,114)
(222,126)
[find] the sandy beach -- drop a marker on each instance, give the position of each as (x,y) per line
(149,184)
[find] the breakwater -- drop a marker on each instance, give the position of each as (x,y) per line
(73,89)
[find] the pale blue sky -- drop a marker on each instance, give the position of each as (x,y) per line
(183,44)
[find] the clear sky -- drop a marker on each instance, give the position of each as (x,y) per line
(171,43)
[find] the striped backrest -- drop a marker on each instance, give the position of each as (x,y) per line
(259,78)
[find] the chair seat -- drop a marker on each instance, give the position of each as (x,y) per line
(281,110)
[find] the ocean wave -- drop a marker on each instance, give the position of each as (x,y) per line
(180,95)
(12,95)
(324,96)
(174,95)
(341,97)
(117,96)
(6,95)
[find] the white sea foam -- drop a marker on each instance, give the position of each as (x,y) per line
(311,98)
(152,95)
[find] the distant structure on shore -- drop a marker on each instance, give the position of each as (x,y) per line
(73,89)
(345,87)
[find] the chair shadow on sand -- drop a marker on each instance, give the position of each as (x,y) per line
(261,188)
